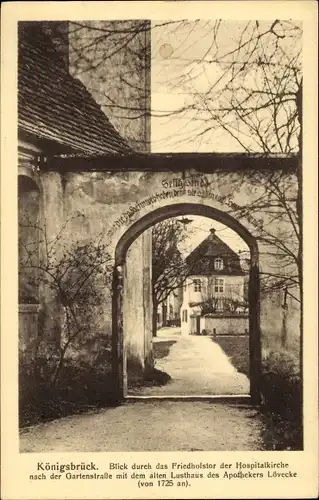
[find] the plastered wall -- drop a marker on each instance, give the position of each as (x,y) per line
(104,205)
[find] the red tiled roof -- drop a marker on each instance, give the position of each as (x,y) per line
(201,259)
(52,105)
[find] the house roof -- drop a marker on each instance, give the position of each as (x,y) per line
(54,106)
(201,259)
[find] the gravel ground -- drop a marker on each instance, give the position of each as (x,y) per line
(150,425)
(198,367)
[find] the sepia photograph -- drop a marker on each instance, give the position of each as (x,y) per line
(160,275)
(158,229)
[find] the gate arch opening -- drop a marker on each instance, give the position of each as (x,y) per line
(124,243)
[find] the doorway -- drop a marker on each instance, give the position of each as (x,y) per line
(154,217)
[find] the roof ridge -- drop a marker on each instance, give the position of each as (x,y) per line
(210,239)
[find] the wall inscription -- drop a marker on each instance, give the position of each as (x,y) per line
(197,186)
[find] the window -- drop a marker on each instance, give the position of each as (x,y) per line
(184,315)
(197,285)
(219,285)
(218,264)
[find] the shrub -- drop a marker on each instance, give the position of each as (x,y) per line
(281,389)
(81,386)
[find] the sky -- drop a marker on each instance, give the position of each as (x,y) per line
(184,67)
(179,64)
(199,228)
(183,70)
(205,75)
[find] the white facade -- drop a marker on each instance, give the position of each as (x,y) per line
(168,311)
(217,289)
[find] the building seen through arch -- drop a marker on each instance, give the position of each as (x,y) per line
(84,184)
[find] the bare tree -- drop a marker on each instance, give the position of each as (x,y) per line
(74,273)
(169,269)
(230,302)
(247,88)
(255,97)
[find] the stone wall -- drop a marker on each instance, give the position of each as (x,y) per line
(103,206)
(137,305)
(29,219)
(280,325)
(115,68)
(111,202)
(225,324)
(28,329)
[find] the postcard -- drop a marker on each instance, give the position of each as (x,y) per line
(158,250)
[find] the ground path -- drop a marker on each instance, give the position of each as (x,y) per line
(197,366)
(152,425)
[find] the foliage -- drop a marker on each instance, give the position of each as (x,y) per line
(81,387)
(252,92)
(275,205)
(236,348)
(223,305)
(161,349)
(281,389)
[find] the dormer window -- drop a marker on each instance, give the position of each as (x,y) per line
(218,264)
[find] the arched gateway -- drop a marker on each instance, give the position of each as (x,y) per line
(120,197)
(126,240)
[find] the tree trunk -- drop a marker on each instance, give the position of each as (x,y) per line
(154,319)
(284,320)
(59,367)
(300,217)
(299,105)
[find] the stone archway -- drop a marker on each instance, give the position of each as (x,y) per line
(122,247)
